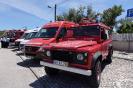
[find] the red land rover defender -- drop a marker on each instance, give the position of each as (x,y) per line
(49,33)
(82,54)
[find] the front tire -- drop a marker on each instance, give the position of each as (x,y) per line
(109,57)
(7,45)
(51,71)
(96,74)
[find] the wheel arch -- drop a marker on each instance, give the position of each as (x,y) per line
(97,56)
(110,49)
(110,46)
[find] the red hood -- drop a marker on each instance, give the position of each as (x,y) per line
(73,44)
(39,41)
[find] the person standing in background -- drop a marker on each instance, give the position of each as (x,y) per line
(98,18)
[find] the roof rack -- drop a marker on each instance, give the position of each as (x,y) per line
(87,21)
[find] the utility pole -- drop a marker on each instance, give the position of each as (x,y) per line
(55,9)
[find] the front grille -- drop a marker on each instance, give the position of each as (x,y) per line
(63,56)
(31,48)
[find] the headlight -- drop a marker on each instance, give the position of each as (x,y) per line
(48,53)
(80,57)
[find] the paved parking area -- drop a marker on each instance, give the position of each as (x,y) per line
(13,75)
(118,74)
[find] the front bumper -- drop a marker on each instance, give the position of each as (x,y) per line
(69,69)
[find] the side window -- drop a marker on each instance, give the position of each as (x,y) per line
(62,33)
(104,35)
(69,33)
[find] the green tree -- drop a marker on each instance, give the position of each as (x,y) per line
(76,15)
(1,33)
(79,14)
(90,12)
(110,15)
(70,16)
(126,25)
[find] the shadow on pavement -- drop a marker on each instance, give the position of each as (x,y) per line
(20,53)
(29,63)
(37,84)
(125,59)
(104,64)
(14,49)
(64,80)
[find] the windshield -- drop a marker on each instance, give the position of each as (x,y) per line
(24,35)
(31,35)
(87,31)
(46,33)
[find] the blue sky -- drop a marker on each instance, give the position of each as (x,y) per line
(32,13)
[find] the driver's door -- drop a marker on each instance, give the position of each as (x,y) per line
(105,43)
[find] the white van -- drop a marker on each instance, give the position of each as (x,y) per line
(17,42)
(30,36)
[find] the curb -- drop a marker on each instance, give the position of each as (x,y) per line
(124,58)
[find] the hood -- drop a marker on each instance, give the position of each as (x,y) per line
(39,41)
(24,41)
(73,44)
(19,40)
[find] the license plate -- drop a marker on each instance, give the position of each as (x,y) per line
(61,63)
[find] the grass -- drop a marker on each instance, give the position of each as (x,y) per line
(1,33)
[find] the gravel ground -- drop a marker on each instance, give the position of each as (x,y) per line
(123,55)
(118,74)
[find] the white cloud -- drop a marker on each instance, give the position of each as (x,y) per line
(30,8)
(62,6)
(45,13)
(4,7)
(52,2)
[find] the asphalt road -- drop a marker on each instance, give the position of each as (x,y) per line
(17,71)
